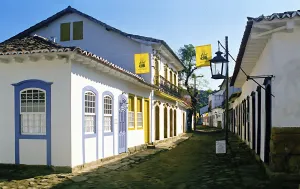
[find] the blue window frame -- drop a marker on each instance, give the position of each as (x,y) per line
(108,113)
(89,117)
(32,113)
(108,118)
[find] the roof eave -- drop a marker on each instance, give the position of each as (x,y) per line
(241,51)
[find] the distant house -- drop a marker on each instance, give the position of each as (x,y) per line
(233,93)
(202,113)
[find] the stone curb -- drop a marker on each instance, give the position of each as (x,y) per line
(161,146)
(275,176)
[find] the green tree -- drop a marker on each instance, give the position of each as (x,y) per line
(187,55)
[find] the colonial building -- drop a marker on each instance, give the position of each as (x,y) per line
(266,114)
(215,111)
(76,97)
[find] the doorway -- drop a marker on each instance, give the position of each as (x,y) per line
(258,120)
(165,122)
(122,124)
(268,108)
(171,123)
(156,122)
(175,123)
(146,121)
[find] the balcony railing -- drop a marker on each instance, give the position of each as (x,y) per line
(167,87)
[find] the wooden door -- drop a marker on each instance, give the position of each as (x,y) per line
(175,123)
(171,123)
(122,124)
(165,122)
(156,122)
(268,119)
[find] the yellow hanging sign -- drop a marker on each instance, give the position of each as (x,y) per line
(142,63)
(203,55)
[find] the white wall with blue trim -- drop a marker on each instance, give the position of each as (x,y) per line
(107,145)
(34,151)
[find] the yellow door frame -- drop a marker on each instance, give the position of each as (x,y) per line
(146,120)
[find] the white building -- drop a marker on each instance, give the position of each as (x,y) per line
(66,75)
(215,100)
(270,46)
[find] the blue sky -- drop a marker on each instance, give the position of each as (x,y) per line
(178,22)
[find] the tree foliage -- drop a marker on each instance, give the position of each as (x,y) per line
(187,55)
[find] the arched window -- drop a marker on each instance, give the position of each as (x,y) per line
(89,112)
(33,111)
(108,108)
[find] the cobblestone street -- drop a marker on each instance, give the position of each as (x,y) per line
(191,164)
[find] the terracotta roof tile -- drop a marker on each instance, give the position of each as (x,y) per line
(70,10)
(280,16)
(38,44)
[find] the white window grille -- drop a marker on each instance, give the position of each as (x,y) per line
(130,119)
(107,114)
(89,112)
(33,111)
(139,119)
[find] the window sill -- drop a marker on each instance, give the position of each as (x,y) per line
(31,136)
(108,133)
(140,128)
(131,129)
(90,135)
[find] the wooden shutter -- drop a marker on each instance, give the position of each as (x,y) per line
(78,30)
(65,32)
(139,105)
(131,103)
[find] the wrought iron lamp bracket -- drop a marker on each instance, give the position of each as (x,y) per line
(260,77)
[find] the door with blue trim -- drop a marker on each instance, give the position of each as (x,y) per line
(122,124)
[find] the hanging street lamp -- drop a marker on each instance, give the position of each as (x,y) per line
(219,70)
(218,66)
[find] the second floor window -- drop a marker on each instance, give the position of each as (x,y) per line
(166,72)
(171,79)
(77,30)
(65,31)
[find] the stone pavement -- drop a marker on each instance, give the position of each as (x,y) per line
(191,164)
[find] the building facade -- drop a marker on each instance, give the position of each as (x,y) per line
(266,113)
(91,108)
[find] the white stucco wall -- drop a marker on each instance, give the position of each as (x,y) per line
(280,58)
(56,72)
(110,45)
(82,77)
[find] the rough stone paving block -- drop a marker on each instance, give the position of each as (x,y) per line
(289,130)
(286,137)
(277,163)
(291,147)
(294,164)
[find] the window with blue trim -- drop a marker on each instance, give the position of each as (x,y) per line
(33,111)
(90,112)
(108,108)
